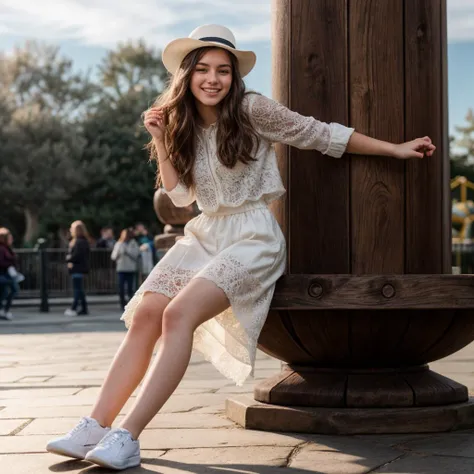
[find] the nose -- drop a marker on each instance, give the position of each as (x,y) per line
(212,77)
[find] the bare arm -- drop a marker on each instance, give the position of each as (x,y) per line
(363,145)
(179,194)
(279,124)
(168,173)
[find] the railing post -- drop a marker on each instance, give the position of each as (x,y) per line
(44,303)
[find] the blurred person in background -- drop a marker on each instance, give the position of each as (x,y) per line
(147,250)
(107,239)
(126,254)
(8,275)
(78,258)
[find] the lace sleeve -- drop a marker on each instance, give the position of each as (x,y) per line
(276,123)
(181,195)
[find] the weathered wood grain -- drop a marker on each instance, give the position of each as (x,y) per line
(367,292)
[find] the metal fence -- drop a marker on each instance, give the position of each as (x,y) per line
(48,267)
(463,256)
(46,271)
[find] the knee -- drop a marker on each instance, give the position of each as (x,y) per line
(174,319)
(147,319)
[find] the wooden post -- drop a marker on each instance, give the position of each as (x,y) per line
(362,228)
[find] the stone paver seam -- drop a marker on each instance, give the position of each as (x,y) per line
(46,377)
(165,451)
(21,427)
(188,411)
(437,455)
(80,389)
(404,446)
(376,469)
(294,452)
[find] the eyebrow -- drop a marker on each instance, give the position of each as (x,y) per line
(220,65)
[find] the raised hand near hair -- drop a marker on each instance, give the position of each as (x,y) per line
(418,148)
(154,122)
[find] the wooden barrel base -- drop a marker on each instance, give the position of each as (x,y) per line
(254,415)
(345,388)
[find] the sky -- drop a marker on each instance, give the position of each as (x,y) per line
(86,29)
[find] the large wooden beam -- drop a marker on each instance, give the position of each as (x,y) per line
(353,292)
(367,301)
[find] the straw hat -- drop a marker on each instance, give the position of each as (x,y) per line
(207,35)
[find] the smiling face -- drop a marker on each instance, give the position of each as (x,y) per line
(211,79)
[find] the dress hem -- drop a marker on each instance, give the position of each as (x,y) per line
(203,342)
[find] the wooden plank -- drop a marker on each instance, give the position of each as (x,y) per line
(318,185)
(303,388)
(281,23)
(310,389)
(376,339)
(253,415)
(367,292)
(458,335)
(376,109)
(378,390)
(425,179)
(262,391)
(324,335)
(428,328)
(430,388)
(277,340)
(444,145)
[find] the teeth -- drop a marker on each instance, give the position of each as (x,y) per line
(211,90)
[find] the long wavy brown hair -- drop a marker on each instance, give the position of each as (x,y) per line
(236,138)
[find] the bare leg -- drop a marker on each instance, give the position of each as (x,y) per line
(199,301)
(132,358)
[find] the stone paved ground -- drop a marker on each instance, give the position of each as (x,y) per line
(51,369)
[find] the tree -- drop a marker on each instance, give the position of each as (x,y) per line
(462,149)
(9,216)
(39,159)
(41,142)
(130,78)
(132,68)
(36,75)
(72,149)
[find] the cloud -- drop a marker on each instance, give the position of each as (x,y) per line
(460,20)
(106,22)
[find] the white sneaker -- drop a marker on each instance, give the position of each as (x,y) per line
(2,313)
(8,315)
(117,450)
(80,440)
(70,312)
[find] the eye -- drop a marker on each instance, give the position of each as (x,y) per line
(225,71)
(200,69)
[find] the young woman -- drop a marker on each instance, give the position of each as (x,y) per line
(126,254)
(8,285)
(78,264)
(212,290)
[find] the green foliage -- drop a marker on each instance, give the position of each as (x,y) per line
(123,193)
(36,75)
(462,149)
(72,149)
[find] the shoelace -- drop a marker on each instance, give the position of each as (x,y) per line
(82,424)
(111,438)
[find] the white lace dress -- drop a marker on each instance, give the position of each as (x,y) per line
(236,242)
